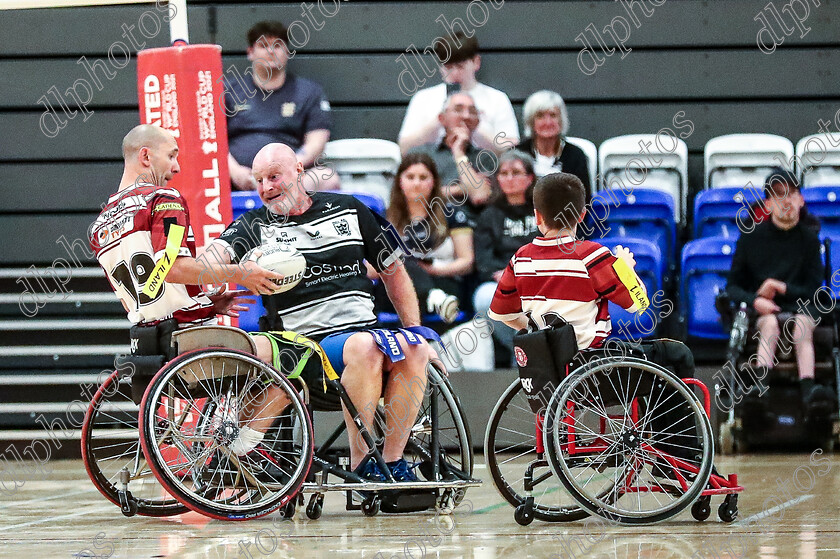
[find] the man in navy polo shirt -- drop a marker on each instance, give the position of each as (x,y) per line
(268,105)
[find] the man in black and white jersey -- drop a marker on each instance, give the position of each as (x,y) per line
(334,302)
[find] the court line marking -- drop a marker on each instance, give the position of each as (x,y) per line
(773,510)
(100,508)
(42,499)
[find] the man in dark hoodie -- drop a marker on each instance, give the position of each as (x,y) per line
(776,264)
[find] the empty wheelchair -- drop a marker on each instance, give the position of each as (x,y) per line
(611,432)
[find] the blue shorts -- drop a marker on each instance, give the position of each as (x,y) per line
(333,346)
(386,340)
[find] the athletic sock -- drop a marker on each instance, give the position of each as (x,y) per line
(247,440)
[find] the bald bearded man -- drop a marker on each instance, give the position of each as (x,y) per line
(333,304)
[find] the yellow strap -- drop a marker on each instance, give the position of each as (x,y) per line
(631,281)
(302,340)
(173,245)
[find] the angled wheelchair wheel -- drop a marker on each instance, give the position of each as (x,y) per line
(112,454)
(629,440)
(440,425)
(194,410)
(510,451)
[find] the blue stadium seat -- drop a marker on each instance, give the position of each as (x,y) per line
(640,214)
(650,266)
(705,265)
(715,211)
(243,201)
(372,201)
(824,203)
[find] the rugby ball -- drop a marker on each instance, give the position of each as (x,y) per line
(280,258)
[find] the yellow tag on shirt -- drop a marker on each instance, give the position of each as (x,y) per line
(631,281)
(173,245)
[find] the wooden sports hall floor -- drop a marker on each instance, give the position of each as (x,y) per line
(63,516)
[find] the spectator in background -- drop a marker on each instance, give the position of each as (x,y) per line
(270,104)
(438,236)
(776,264)
(455,157)
(504,226)
(546,125)
(460,61)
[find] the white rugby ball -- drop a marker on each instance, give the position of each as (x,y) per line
(280,258)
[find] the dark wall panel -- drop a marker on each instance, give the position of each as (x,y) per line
(366,80)
(35,237)
(368,26)
(57,187)
(100,137)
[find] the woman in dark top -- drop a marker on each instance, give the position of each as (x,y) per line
(546,125)
(505,225)
(438,236)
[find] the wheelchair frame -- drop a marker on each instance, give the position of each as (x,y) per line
(548,443)
(447,486)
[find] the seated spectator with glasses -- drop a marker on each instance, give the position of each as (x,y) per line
(456,158)
(505,225)
(460,61)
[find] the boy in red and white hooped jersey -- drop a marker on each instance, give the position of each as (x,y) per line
(557,274)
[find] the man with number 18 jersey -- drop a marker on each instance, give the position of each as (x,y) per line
(130,237)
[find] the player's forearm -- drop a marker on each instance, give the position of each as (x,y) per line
(402,294)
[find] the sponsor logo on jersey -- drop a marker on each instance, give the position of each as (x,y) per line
(315,235)
(174,206)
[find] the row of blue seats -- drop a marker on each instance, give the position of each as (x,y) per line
(643,222)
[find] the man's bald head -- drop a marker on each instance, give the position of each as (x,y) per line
(144,135)
(278,154)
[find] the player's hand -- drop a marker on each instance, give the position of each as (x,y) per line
(625,254)
(229,303)
(257,279)
(764,306)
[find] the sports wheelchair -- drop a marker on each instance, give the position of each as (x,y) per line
(195,405)
(612,432)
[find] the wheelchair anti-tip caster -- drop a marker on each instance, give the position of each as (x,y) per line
(128,506)
(728,509)
(288,510)
(315,507)
(370,506)
(702,508)
(524,513)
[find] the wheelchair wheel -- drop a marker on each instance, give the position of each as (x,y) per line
(111,448)
(629,441)
(441,409)
(194,410)
(510,451)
